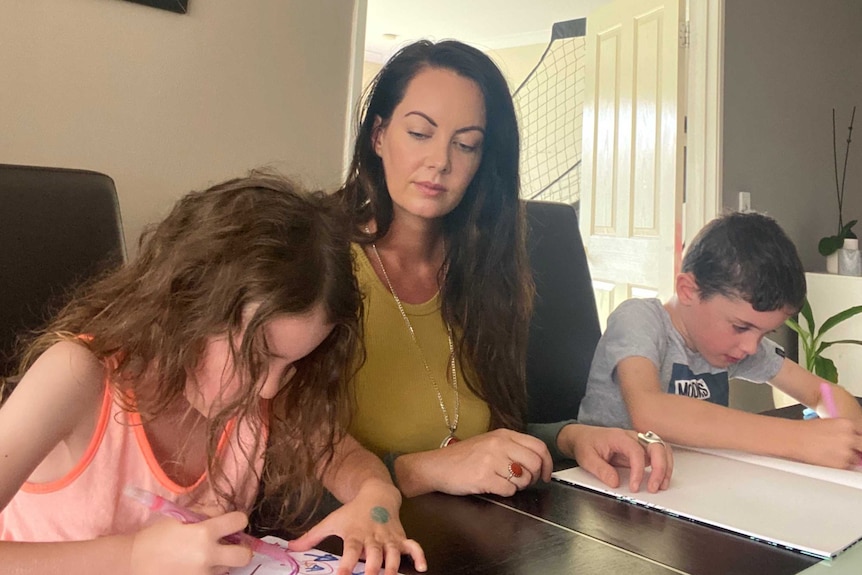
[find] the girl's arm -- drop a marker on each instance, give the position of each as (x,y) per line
(166,546)
(45,427)
(368,522)
(47,422)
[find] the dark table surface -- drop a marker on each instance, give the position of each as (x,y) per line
(556,528)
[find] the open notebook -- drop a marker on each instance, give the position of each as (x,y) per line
(806,508)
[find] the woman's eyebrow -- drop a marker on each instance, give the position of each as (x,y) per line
(433,123)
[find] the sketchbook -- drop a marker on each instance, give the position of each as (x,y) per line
(806,508)
(312,562)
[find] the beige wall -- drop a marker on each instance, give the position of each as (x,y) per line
(164,103)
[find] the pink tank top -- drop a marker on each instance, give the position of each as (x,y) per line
(89,502)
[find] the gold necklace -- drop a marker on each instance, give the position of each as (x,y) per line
(452,425)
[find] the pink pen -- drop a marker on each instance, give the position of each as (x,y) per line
(171,509)
(828,399)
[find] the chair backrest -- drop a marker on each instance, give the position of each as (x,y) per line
(565,328)
(58,227)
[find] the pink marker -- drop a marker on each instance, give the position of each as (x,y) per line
(170,509)
(828,399)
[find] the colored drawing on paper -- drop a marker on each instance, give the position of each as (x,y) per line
(313,562)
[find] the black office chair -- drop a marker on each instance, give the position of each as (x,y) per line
(565,328)
(58,227)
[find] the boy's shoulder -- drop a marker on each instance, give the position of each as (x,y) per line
(638,309)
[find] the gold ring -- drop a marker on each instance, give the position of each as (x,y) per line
(648,438)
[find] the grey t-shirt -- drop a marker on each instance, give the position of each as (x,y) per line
(642,327)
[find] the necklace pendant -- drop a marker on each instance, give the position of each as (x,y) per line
(449,440)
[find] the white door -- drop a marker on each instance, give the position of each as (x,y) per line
(632,188)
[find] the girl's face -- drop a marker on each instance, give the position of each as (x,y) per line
(432,145)
(288,338)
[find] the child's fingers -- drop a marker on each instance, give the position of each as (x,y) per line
(309,539)
(227,524)
(232,556)
(411,547)
(350,557)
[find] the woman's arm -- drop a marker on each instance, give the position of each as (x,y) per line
(480,464)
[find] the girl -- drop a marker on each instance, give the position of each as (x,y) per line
(216,359)
(433,195)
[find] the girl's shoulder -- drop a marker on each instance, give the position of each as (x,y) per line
(64,383)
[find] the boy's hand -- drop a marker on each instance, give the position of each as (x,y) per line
(168,546)
(599,449)
(371,530)
(830,442)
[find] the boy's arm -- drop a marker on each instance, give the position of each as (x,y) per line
(694,422)
(804,387)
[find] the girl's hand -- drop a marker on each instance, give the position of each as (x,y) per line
(371,530)
(168,547)
(501,462)
(599,449)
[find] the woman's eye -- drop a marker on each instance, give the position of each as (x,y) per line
(466,147)
(418,135)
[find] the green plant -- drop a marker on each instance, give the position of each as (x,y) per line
(813,344)
(831,244)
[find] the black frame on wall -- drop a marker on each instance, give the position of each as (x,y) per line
(178,6)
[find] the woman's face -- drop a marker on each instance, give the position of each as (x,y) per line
(432,145)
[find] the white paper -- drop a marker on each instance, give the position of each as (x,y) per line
(793,510)
(313,562)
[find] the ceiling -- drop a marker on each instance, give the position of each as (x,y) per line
(487,24)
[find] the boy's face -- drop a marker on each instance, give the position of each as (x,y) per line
(727,330)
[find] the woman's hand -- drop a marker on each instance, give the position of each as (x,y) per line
(599,449)
(499,462)
(168,547)
(371,529)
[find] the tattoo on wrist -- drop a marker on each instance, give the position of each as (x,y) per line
(379,515)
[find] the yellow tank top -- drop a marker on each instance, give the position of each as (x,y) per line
(396,407)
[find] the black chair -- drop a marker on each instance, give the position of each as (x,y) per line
(565,327)
(58,227)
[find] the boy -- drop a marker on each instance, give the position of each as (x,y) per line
(666,367)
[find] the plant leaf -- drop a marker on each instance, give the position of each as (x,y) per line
(846,231)
(838,318)
(825,368)
(827,344)
(829,245)
(809,317)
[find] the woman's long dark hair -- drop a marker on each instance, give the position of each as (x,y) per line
(257,240)
(487,289)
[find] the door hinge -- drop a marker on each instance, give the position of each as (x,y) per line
(684,34)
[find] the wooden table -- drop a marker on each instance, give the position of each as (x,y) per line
(561,529)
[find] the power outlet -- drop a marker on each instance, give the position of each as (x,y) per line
(744,201)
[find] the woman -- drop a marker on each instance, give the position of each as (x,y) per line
(433,192)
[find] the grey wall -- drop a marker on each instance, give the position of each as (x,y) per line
(164,102)
(787,64)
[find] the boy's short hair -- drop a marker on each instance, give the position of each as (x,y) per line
(748,256)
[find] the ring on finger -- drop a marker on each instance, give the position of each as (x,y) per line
(648,438)
(515,469)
